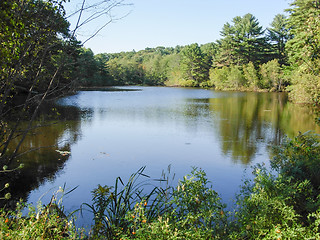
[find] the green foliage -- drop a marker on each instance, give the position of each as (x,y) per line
(242,42)
(194,65)
(227,78)
(219,77)
(272,76)
(303,50)
(91,70)
(236,79)
(304,23)
(111,206)
(279,34)
(43,222)
(192,211)
(285,206)
(197,205)
(251,75)
(35,45)
(126,72)
(300,158)
(305,86)
(266,210)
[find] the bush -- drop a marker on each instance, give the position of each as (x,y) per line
(251,76)
(236,79)
(43,222)
(305,87)
(266,210)
(219,77)
(192,211)
(272,76)
(285,206)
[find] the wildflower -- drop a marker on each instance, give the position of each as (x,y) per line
(145,203)
(7,235)
(133,233)
(278,231)
(144,220)
(7,220)
(133,216)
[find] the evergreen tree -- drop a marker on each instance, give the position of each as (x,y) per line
(194,65)
(242,42)
(279,34)
(304,22)
(303,50)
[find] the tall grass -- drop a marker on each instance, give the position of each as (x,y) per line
(111,205)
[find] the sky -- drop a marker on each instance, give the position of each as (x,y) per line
(168,23)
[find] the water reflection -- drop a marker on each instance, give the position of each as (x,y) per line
(111,134)
(248,119)
(42,163)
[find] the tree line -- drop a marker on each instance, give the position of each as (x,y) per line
(283,57)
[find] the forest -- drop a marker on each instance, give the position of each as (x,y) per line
(283,57)
(42,60)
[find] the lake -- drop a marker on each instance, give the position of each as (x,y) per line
(111,133)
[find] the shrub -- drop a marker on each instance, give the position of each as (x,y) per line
(111,205)
(219,77)
(272,76)
(266,210)
(43,222)
(305,87)
(193,211)
(283,206)
(236,79)
(251,76)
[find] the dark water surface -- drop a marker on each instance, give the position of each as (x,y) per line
(114,133)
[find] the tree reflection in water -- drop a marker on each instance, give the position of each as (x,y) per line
(38,151)
(249,118)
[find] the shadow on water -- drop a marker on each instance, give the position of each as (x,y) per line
(42,162)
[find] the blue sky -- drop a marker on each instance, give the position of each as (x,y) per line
(152,23)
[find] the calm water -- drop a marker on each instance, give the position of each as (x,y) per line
(114,133)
